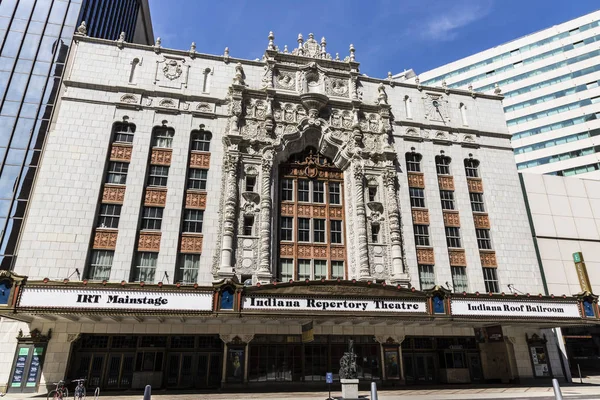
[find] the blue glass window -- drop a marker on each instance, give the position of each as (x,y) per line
(227,299)
(588,308)
(5,286)
(438,305)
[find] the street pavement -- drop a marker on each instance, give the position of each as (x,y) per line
(570,392)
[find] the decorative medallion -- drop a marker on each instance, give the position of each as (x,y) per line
(172,70)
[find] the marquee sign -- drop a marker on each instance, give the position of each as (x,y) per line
(334,304)
(514,308)
(71,298)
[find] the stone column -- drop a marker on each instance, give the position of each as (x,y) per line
(361,222)
(390,181)
(231,206)
(264,274)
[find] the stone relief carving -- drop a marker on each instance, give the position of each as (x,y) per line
(172,69)
(171,72)
(285,80)
(129,99)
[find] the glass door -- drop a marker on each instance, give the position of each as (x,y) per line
(425,369)
(119,372)
(475,371)
(27,366)
(215,370)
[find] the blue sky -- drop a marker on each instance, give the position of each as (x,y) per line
(388,35)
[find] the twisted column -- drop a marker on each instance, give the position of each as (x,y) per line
(389,179)
(361,222)
(266,206)
(231,204)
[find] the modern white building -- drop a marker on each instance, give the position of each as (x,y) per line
(550,83)
(351,208)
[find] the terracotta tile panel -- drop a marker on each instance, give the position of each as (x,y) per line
(457,258)
(425,256)
(113,194)
(287,209)
(195,200)
(338,253)
(149,241)
(475,185)
(335,212)
(451,218)
(488,259)
(446,182)
(199,160)
(120,152)
(420,216)
(191,243)
(106,240)
(155,197)
(286,250)
(416,179)
(482,221)
(161,156)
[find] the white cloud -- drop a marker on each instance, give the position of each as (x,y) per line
(446,24)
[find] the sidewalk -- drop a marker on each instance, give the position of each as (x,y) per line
(464,393)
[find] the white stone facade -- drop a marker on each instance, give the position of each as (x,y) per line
(259,114)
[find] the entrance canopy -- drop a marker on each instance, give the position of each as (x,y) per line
(322,301)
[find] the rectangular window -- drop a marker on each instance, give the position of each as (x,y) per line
(421,235)
(117,172)
(287,269)
(490,278)
(442,165)
(319,192)
(417,197)
(303,190)
(426,277)
(372,191)
(109,216)
(163,138)
(192,221)
(197,179)
(152,218)
(287,228)
(248,225)
(413,163)
(320,269)
(100,265)
(145,267)
(447,197)
(124,133)
(477,202)
(337,270)
(201,141)
(250,183)
(336,231)
(189,265)
(335,193)
(453,236)
(303,270)
(304,229)
(484,240)
(459,279)
(319,230)
(287,190)
(375,233)
(158,175)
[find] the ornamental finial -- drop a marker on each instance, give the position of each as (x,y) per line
(271,41)
(121,40)
(226,55)
(157,45)
(497,90)
(352,53)
(82,29)
(193,49)
(323,47)
(300,40)
(285,49)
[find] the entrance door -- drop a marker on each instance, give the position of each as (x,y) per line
(420,369)
(180,370)
(474,362)
(119,371)
(90,367)
(209,371)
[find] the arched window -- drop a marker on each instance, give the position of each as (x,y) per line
(201,140)
(472,168)
(123,132)
(413,162)
(442,165)
(311,219)
(463,114)
(163,137)
(407,107)
(132,73)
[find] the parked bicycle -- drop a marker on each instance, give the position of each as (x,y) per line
(60,392)
(80,390)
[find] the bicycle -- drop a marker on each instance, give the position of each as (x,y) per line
(60,392)
(79,393)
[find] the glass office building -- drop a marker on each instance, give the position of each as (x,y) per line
(550,83)
(35,36)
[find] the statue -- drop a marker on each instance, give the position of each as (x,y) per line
(348,363)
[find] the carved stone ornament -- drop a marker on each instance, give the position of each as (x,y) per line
(285,80)
(172,69)
(311,48)
(204,107)
(166,103)
(129,99)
